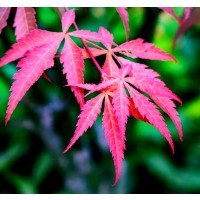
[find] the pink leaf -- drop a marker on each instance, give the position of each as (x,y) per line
(67,20)
(138,49)
(106,34)
(146,80)
(89,113)
(113,136)
(25,21)
(134,111)
(125,70)
(31,68)
(148,110)
(121,107)
(103,85)
(33,39)
(169,107)
(139,69)
(95,52)
(85,34)
(153,87)
(72,59)
(110,67)
(4,14)
(124,16)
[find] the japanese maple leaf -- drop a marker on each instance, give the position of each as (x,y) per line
(88,116)
(145,80)
(37,50)
(24,21)
(136,79)
(134,49)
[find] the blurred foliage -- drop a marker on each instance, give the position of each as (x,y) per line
(31,145)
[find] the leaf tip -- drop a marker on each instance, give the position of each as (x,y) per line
(116,180)
(176,98)
(181,138)
(7,119)
(66,149)
(172,58)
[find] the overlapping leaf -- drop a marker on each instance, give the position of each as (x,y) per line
(105,33)
(114,137)
(121,106)
(34,39)
(148,110)
(143,79)
(31,68)
(72,59)
(126,86)
(85,34)
(169,108)
(135,49)
(110,67)
(25,21)
(140,49)
(134,111)
(31,46)
(88,116)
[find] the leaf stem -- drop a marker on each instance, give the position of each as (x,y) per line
(91,55)
(94,45)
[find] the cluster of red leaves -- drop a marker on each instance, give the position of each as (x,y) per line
(123,88)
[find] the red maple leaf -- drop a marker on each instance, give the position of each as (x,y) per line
(37,50)
(136,79)
(126,87)
(25,21)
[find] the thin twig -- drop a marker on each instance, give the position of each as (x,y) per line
(94,45)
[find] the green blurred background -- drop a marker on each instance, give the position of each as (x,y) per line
(44,121)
